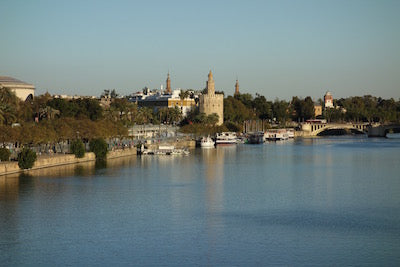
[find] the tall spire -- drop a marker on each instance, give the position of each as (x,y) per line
(237,87)
(168,88)
(210,84)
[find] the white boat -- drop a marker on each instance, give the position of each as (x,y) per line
(207,142)
(226,138)
(276,135)
(163,150)
(290,133)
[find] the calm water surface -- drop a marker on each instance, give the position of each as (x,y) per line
(326,201)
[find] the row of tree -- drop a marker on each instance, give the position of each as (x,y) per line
(367,109)
(60,119)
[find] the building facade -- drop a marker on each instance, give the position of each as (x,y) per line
(22,90)
(328,100)
(317,110)
(159,100)
(211,102)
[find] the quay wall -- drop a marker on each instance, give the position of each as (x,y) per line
(10,167)
(121,153)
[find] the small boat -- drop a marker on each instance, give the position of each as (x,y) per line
(226,138)
(207,142)
(256,138)
(290,133)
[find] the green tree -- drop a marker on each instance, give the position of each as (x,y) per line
(78,148)
(4,154)
(262,107)
(9,103)
(99,147)
(26,158)
(280,110)
(212,119)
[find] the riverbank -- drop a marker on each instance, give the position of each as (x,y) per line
(46,161)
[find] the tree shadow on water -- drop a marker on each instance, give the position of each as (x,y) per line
(100,164)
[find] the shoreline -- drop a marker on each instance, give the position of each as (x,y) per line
(47,161)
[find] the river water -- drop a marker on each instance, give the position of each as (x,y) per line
(322,201)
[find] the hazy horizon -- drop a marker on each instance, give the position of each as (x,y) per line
(278,49)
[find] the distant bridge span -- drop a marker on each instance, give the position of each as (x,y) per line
(313,129)
(382,130)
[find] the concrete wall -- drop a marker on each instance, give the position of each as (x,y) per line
(121,153)
(10,167)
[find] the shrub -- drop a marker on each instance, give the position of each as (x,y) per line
(4,154)
(78,148)
(26,158)
(99,148)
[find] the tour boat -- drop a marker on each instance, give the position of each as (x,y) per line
(207,142)
(163,150)
(226,138)
(276,135)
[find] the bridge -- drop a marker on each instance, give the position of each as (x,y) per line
(373,130)
(383,130)
(314,129)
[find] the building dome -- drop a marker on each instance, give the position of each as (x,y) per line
(22,90)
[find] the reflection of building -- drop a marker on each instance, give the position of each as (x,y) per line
(211,102)
(328,100)
(22,90)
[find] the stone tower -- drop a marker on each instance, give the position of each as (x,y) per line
(237,87)
(168,88)
(211,102)
(210,84)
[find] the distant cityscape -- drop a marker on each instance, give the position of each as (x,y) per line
(207,100)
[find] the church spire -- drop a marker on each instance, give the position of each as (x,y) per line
(237,87)
(210,84)
(168,88)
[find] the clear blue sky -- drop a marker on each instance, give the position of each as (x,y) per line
(276,48)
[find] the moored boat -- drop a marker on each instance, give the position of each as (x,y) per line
(276,135)
(163,150)
(256,138)
(207,142)
(226,138)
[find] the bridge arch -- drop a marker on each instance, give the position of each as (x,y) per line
(392,129)
(339,131)
(345,128)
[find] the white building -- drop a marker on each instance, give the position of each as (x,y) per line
(22,90)
(328,99)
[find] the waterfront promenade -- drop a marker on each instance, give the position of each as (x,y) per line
(45,161)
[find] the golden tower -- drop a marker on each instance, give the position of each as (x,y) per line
(211,102)
(237,87)
(168,88)
(210,84)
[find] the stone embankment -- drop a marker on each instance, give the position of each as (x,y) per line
(45,161)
